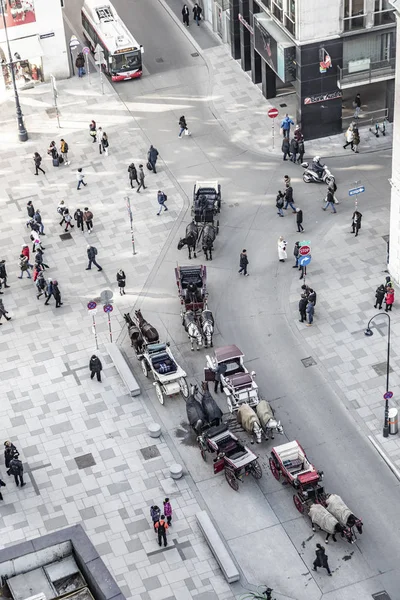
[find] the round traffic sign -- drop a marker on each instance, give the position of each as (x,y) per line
(273,112)
(92,305)
(108,308)
(74,42)
(86,50)
(388,395)
(305,260)
(106,296)
(304,250)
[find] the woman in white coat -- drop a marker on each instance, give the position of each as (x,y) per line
(349,137)
(282,254)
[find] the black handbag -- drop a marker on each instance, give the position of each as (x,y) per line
(148,165)
(56,162)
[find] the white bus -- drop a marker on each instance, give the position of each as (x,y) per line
(122,54)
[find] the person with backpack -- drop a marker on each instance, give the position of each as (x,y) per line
(161,199)
(37,159)
(24,266)
(64,151)
(155,513)
(78,216)
(168,511)
(183,126)
(152,156)
(279,203)
(80,64)
(95,367)
(16,468)
(49,290)
(330,201)
(132,174)
(88,219)
(92,253)
(161,527)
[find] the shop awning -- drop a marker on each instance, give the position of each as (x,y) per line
(27,48)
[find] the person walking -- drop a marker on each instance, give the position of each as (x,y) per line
(243,262)
(349,137)
(3,312)
(88,219)
(36,243)
(80,178)
(356,139)
(379,295)
(39,261)
(3,274)
(40,284)
(357,106)
(105,143)
(37,159)
(52,151)
(302,308)
(38,219)
(26,252)
(299,219)
(185,15)
(300,151)
(95,367)
(310,312)
(279,203)
(121,280)
(155,514)
(17,469)
(285,148)
(285,125)
(161,527)
(218,371)
(80,64)
(312,295)
(141,179)
(93,131)
(161,199)
(298,134)
(49,290)
(30,209)
(197,10)
(92,253)
(389,299)
(167,511)
(294,148)
(132,174)
(64,151)
(24,266)
(100,139)
(78,216)
(183,126)
(289,198)
(356,222)
(296,254)
(9,452)
(57,294)
(152,156)
(282,254)
(60,209)
(287,180)
(68,220)
(330,201)
(2,484)
(321,559)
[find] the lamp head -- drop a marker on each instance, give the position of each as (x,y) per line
(368,332)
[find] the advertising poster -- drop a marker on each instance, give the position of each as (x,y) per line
(17,12)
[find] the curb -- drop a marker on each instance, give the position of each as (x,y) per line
(385,457)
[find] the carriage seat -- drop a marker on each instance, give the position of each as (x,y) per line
(240,380)
(238,454)
(213,431)
(163,364)
(294,467)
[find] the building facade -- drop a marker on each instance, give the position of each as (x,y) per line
(316,49)
(37,40)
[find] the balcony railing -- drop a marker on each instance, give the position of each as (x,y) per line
(362,71)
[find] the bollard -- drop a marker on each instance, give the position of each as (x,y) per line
(393,421)
(176,471)
(154,430)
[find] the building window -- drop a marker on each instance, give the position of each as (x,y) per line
(384,13)
(290,17)
(277,9)
(353,15)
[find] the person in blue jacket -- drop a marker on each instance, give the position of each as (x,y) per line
(285,125)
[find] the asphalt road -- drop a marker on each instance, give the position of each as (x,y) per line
(251,313)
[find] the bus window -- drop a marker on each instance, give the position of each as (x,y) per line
(126,62)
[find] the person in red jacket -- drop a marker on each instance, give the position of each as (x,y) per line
(26,252)
(389,298)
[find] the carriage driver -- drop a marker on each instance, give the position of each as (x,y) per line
(220,370)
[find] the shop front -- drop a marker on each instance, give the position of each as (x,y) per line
(26,54)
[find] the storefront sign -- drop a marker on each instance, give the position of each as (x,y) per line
(325,61)
(18,12)
(280,57)
(43,36)
(246,24)
(323,97)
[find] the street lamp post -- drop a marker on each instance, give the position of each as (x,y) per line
(369,332)
(22,132)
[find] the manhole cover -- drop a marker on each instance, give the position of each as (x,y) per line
(159,60)
(194,54)
(283,105)
(308,362)
(381,596)
(150,452)
(84,461)
(66,236)
(380,368)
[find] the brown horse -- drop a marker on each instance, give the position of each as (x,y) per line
(149,332)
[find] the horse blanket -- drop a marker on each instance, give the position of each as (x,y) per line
(210,407)
(264,412)
(246,417)
(194,412)
(321,517)
(338,509)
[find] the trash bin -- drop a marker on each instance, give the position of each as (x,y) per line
(393,421)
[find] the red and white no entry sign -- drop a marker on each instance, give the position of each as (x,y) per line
(273,112)
(304,250)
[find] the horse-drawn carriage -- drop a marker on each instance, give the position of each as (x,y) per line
(238,383)
(259,421)
(197,319)
(206,201)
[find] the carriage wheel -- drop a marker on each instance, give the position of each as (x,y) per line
(217,228)
(184,387)
(203,451)
(231,478)
(159,392)
(274,469)
(144,366)
(256,470)
(298,504)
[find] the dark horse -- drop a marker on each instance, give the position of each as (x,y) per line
(210,407)
(209,235)
(135,334)
(195,413)
(149,332)
(192,233)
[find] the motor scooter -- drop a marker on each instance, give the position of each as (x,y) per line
(311,176)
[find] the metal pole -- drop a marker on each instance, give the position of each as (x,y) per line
(273,133)
(101,78)
(56,107)
(87,68)
(128,205)
(72,60)
(385,432)
(109,326)
(22,132)
(95,332)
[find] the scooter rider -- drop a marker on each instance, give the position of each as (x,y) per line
(317,166)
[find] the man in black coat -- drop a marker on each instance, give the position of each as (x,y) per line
(95,367)
(294,148)
(9,452)
(30,210)
(17,469)
(299,219)
(285,148)
(92,252)
(243,262)
(302,308)
(321,559)
(152,156)
(3,274)
(57,294)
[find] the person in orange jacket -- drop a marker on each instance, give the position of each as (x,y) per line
(161,528)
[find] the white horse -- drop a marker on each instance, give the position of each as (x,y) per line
(267,419)
(326,522)
(247,418)
(191,328)
(207,325)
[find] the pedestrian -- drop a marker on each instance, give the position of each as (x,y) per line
(357,106)
(3,312)
(285,125)
(303,269)
(68,220)
(289,198)
(52,151)
(282,254)
(296,254)
(26,252)
(389,299)
(321,559)
(24,266)
(30,209)
(88,219)
(141,179)
(333,188)
(39,261)
(40,284)
(57,294)
(37,159)
(279,203)
(3,274)
(356,139)
(100,139)
(356,222)
(91,253)
(218,371)
(349,137)
(121,279)
(152,156)
(161,527)
(155,513)
(168,511)
(185,15)
(183,126)
(132,174)
(294,148)
(105,143)
(299,219)
(286,180)
(300,151)
(17,469)
(80,176)
(95,367)
(33,225)
(306,290)
(61,208)
(297,134)
(2,484)
(36,243)
(312,296)
(161,199)
(80,64)
(243,262)
(330,201)
(379,295)
(78,216)
(9,452)
(38,219)
(93,131)
(310,312)
(64,150)
(302,308)
(285,147)
(197,10)
(49,290)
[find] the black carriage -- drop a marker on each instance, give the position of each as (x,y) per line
(206,203)
(192,287)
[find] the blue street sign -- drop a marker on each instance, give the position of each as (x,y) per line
(305,260)
(108,308)
(357,190)
(92,305)
(388,395)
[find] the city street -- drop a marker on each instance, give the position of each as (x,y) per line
(330,407)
